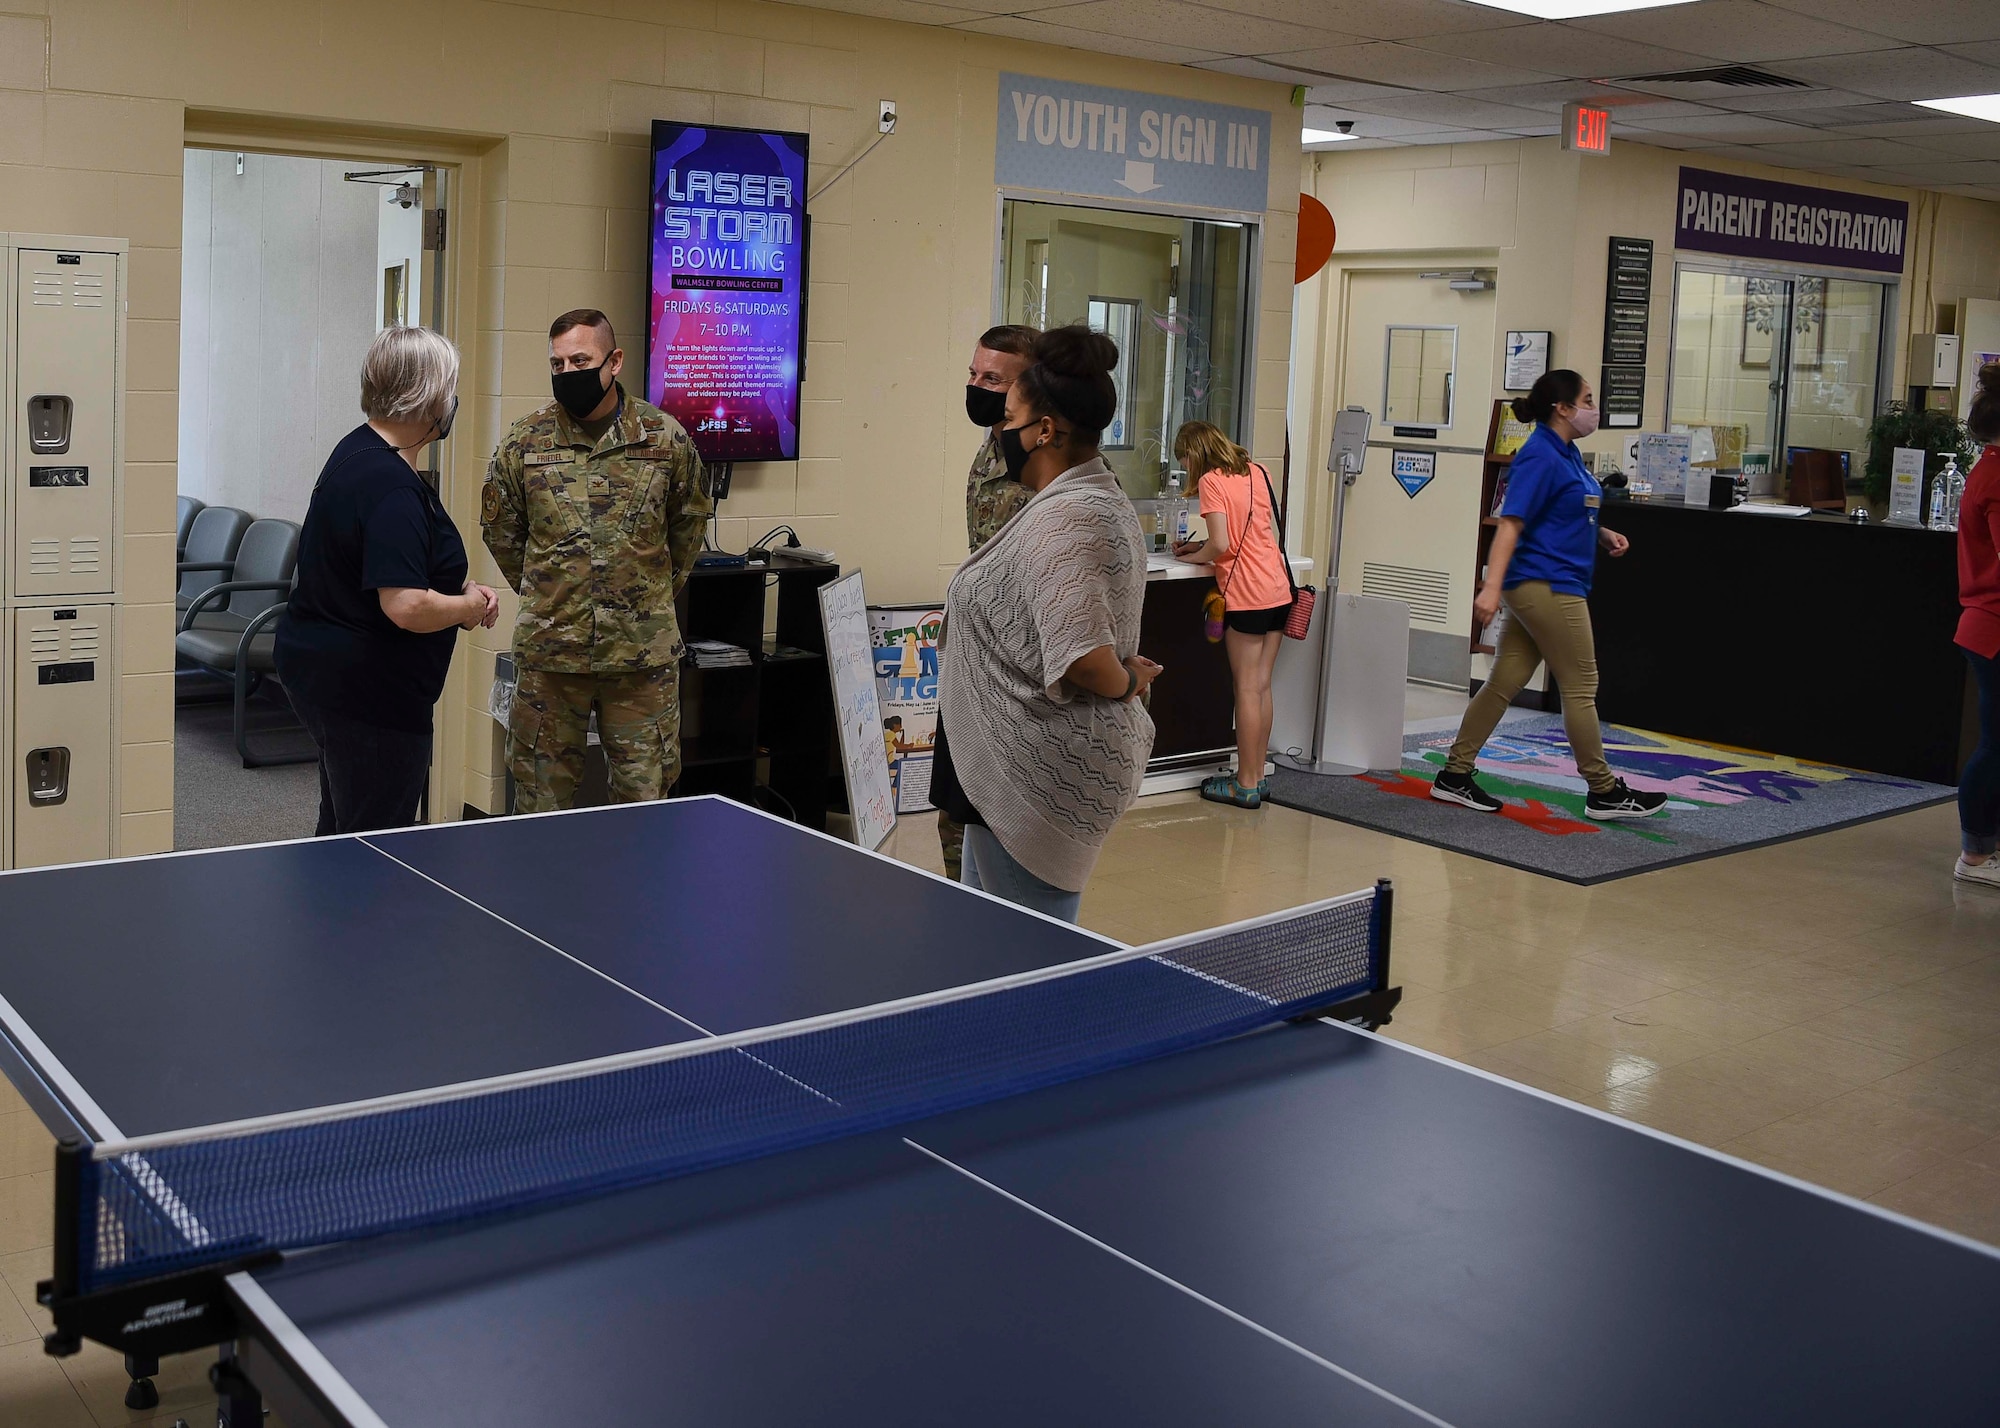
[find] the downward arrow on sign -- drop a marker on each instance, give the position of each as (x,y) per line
(1138,177)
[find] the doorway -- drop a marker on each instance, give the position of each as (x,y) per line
(1417,353)
(1174,293)
(290,265)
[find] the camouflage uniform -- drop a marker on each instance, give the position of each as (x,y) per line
(992,498)
(597,539)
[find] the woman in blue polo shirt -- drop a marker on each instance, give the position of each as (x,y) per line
(1543,557)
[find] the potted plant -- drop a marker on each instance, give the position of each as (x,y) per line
(1937,433)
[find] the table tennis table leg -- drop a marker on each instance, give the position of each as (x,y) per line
(237,1402)
(141,1393)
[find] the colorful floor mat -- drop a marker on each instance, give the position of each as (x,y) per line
(1719,800)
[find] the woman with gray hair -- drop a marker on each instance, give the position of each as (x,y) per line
(366,638)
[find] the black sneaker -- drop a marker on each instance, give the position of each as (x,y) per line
(1618,801)
(1464,790)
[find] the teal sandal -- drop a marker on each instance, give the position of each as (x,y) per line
(1224,788)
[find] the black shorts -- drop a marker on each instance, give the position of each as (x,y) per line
(1257,622)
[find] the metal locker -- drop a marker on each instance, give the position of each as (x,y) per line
(60,759)
(65,420)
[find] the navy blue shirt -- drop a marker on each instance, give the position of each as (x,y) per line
(373,525)
(1557,499)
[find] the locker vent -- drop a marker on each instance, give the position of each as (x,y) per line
(84,555)
(48,645)
(48,289)
(1426,592)
(44,556)
(87,290)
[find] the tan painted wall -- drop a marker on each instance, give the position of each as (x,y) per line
(546,108)
(1542,219)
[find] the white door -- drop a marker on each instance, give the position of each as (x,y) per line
(1419,356)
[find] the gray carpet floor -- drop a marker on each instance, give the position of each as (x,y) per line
(217,802)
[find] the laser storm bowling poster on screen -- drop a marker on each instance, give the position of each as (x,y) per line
(726,319)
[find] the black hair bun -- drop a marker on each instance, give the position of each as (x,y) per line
(1077,352)
(1989,379)
(1522,408)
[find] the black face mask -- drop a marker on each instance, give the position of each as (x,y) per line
(1013,452)
(580,392)
(985,406)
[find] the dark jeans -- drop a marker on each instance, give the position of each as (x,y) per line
(370,777)
(1979,786)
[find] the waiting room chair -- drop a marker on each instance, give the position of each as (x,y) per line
(227,629)
(190,507)
(210,553)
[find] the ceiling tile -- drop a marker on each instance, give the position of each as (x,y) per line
(1948,172)
(1727,128)
(1988,192)
(1180,22)
(1014,27)
(1858,151)
(1777,101)
(1376,19)
(1405,65)
(1983,145)
(1981,52)
(1920,22)
(1369,126)
(1455,136)
(1658,140)
(1908,73)
(1736,31)
(1251,68)
(915,12)
(1551,95)
(1351,91)
(1463,111)
(1558,49)
(1353,146)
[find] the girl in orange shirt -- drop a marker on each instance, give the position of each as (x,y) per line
(1256,588)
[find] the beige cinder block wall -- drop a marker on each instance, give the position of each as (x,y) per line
(1542,219)
(544,108)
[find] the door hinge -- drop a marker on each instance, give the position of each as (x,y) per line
(434,230)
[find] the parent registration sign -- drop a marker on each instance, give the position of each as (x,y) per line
(727,261)
(1763,218)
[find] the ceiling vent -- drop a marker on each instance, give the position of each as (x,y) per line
(1725,76)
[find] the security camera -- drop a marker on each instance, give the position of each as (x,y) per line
(1345,126)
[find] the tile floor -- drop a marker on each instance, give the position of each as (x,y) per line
(1829,1007)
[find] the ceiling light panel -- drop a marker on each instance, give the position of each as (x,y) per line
(1575,9)
(1971,106)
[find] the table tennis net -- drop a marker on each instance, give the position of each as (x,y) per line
(161,1204)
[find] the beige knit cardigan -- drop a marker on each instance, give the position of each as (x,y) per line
(1049,766)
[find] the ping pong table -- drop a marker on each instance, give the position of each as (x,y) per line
(1303,1221)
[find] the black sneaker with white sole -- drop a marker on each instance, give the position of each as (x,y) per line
(1464,790)
(1618,801)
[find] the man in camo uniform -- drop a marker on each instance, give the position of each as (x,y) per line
(991,496)
(594,509)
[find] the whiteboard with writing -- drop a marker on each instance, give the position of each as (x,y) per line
(850,662)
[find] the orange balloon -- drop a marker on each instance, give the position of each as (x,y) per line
(1315,237)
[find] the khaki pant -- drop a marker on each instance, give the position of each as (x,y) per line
(1541,625)
(638,724)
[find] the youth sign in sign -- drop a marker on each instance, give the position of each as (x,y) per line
(1760,218)
(1120,143)
(726,325)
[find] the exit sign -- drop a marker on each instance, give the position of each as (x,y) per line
(1587,129)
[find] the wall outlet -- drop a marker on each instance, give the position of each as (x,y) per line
(886,122)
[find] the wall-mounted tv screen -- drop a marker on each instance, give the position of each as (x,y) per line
(726,326)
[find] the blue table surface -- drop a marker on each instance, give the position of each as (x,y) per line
(191,990)
(1487,1254)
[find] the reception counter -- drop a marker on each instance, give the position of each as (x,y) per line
(1193,704)
(1801,636)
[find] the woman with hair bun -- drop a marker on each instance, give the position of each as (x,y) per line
(1544,555)
(1979,636)
(1042,736)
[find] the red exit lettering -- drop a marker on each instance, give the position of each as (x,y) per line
(1586,129)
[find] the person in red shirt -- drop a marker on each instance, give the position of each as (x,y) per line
(1256,588)
(1979,636)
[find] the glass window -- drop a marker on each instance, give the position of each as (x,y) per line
(1769,368)
(1418,377)
(1178,289)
